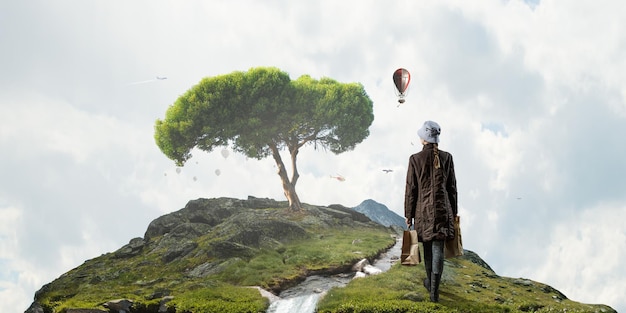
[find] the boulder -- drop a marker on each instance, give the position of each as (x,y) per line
(358,266)
(34,308)
(163,302)
(178,251)
(133,248)
(371,270)
(119,305)
(209,212)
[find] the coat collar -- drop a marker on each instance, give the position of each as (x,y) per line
(428,146)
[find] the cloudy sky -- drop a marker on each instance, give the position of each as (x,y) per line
(531,97)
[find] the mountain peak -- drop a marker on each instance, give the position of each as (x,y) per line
(380,213)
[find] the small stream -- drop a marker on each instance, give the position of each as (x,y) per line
(303,297)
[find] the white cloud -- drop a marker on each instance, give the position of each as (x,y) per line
(530,96)
(8,217)
(584,252)
(15,282)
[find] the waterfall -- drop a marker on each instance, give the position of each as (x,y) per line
(303,298)
(300,304)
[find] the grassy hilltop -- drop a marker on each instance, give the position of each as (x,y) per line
(204,258)
(468,285)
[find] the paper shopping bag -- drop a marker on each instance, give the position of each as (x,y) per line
(410,248)
(454,247)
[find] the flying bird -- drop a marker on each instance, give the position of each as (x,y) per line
(148,81)
(338,177)
(387,170)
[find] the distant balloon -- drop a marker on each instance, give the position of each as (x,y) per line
(178,170)
(195,178)
(401,78)
(218,172)
(225,153)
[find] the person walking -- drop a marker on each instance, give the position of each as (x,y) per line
(430,202)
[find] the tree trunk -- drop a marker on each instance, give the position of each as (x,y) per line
(289,187)
(292,196)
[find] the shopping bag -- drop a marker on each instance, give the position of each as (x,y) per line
(454,247)
(410,248)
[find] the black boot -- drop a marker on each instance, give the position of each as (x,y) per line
(435,279)
(428,263)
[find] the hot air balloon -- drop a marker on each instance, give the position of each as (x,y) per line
(225,153)
(401,78)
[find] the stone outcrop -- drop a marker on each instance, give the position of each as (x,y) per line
(119,305)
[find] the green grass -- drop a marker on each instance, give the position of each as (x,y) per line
(466,287)
(329,248)
(145,279)
(138,278)
(222,298)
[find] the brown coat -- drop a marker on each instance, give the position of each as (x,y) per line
(431,196)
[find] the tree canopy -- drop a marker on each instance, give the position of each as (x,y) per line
(262,111)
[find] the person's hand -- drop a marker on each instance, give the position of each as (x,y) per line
(409,222)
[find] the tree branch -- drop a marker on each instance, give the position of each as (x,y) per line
(294,169)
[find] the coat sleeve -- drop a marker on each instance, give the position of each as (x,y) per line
(451,188)
(411,192)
